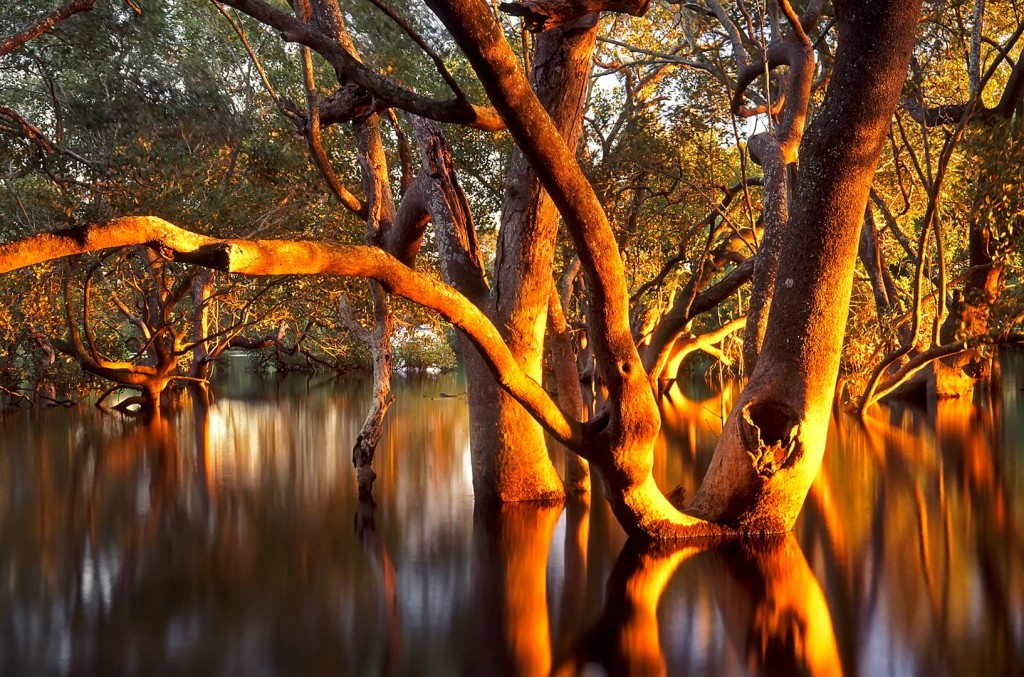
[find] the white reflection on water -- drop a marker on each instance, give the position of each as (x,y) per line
(231,541)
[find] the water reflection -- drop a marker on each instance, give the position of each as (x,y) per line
(774,613)
(229,538)
(510,555)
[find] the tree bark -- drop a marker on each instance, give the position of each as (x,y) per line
(622,439)
(773,441)
(507,436)
(570,393)
(775,152)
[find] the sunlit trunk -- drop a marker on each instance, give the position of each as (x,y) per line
(508,444)
(509,454)
(772,444)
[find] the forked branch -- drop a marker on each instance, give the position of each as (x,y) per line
(391,93)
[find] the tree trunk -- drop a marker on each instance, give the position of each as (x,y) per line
(378,341)
(570,392)
(380,215)
(776,216)
(968,316)
(202,288)
(773,441)
(882,286)
(508,444)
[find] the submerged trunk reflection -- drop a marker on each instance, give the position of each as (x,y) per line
(511,635)
(227,537)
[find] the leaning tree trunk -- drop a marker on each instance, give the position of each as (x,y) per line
(380,217)
(773,441)
(378,341)
(506,439)
(380,214)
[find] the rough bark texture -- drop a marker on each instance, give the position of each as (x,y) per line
(771,446)
(766,264)
(775,152)
(506,436)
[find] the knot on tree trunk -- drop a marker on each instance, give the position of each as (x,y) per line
(770,431)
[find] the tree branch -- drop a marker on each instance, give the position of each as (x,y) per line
(289,257)
(391,93)
(30,32)
(543,15)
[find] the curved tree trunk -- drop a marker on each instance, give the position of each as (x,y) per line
(775,154)
(378,341)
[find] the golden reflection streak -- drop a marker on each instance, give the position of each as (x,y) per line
(962,448)
(773,607)
(625,639)
(510,555)
(574,590)
(769,600)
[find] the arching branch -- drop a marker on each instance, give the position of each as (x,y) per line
(288,257)
(798,56)
(473,26)
(32,31)
(391,93)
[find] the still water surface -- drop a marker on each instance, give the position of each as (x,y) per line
(231,541)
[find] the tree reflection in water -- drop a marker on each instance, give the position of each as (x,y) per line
(773,609)
(230,539)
